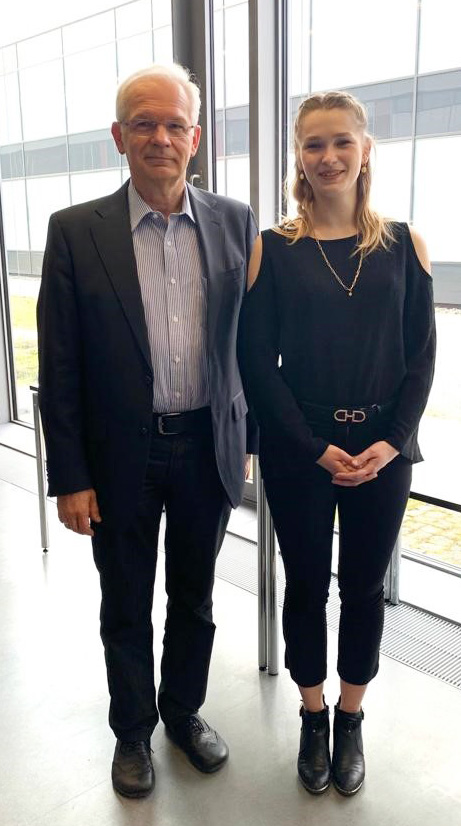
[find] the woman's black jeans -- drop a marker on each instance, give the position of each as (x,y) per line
(303,507)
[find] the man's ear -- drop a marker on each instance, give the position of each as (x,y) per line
(196,140)
(116,130)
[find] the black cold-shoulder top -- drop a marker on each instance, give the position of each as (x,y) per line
(373,347)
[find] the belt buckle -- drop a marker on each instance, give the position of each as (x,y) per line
(160,427)
(353,416)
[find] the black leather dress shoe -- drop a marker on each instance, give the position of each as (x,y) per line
(314,764)
(204,747)
(132,770)
(348,765)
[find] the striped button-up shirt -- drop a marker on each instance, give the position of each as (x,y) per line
(174,294)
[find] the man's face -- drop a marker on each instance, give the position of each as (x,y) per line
(162,156)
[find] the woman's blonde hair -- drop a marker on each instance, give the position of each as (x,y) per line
(374,230)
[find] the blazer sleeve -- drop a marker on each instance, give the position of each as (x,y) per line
(276,408)
(420,346)
(60,368)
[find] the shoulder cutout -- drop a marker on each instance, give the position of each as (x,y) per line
(255,262)
(421,250)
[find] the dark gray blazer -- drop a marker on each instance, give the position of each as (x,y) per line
(95,375)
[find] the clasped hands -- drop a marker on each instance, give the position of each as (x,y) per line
(351,471)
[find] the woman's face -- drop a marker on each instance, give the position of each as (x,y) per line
(331,149)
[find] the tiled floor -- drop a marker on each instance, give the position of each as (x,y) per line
(56,747)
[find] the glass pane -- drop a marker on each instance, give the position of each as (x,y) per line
(44,196)
(299,50)
(391,185)
(39,121)
(389,107)
(436,209)
(220,145)
(161,13)
(10,110)
(94,31)
(237,131)
(440,429)
(91,86)
(23,291)
(219,59)
(96,150)
(8,59)
(221,177)
(357,44)
(163,45)
(133,18)
(238,179)
(87,186)
(39,49)
(46,157)
(438,107)
(236,55)
(440,35)
(133,53)
(12,162)
(14,209)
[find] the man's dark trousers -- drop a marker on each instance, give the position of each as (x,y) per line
(182,477)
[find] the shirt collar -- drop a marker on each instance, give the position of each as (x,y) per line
(138,208)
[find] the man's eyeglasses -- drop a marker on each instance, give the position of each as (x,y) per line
(148,128)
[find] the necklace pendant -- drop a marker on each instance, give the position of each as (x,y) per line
(350,293)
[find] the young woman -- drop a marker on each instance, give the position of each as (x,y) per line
(337,344)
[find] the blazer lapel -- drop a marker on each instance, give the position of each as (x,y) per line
(211,237)
(112,236)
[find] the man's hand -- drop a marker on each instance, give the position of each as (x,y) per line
(366,465)
(75,510)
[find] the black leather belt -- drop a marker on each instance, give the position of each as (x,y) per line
(173,424)
(345,415)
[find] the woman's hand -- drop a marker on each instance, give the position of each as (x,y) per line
(365,466)
(335,461)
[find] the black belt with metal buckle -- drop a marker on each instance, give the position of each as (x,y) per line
(345,415)
(173,424)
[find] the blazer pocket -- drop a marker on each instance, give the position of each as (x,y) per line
(239,406)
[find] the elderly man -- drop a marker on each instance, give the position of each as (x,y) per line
(143,409)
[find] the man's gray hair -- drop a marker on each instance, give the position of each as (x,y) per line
(173,71)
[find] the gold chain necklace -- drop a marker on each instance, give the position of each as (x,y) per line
(350,289)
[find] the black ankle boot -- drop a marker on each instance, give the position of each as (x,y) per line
(314,764)
(348,765)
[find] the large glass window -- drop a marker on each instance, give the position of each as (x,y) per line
(361,42)
(91,85)
(439,37)
(57,102)
(231,98)
(39,84)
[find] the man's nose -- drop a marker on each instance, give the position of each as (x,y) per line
(161,134)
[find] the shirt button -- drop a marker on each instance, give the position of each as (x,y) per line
(178,394)
(177,359)
(175,318)
(168,243)
(144,431)
(173,281)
